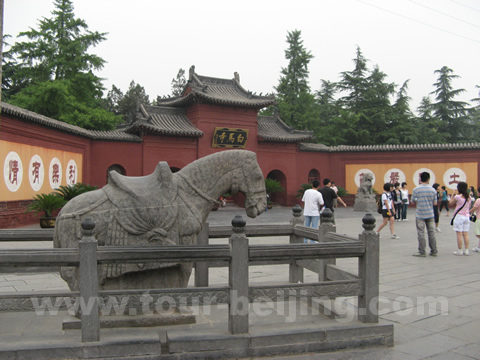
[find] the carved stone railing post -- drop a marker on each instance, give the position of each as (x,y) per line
(238,306)
(295,271)
(201,267)
(90,317)
(368,271)
(326,226)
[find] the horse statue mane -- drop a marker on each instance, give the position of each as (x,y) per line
(162,208)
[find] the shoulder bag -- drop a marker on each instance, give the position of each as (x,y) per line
(451,222)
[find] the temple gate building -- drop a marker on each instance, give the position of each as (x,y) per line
(39,154)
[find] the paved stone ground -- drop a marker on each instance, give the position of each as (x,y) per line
(434,303)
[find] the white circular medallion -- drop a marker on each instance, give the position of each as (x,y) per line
(416,176)
(71,172)
(393,176)
(359,176)
(13,171)
(55,173)
(36,172)
(453,176)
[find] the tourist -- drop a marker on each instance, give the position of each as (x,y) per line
(436,214)
(425,198)
(444,202)
(471,193)
(461,218)
(335,200)
(405,202)
(397,201)
(313,204)
(329,195)
(388,210)
(476,209)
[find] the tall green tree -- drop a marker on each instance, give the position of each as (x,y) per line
(126,105)
(427,124)
(367,95)
(295,102)
(474,116)
(58,48)
(402,120)
(354,84)
(55,58)
(178,83)
(452,113)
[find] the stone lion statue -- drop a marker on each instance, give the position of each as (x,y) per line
(366,184)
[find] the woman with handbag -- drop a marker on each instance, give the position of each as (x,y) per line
(476,210)
(461,218)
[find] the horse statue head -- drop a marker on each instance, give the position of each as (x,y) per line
(248,179)
(230,171)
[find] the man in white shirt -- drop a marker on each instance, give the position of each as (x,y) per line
(313,204)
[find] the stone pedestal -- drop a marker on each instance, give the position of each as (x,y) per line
(365,202)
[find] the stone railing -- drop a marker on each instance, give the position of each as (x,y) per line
(238,254)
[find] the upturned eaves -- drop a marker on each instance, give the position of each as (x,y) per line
(226,92)
(273,129)
(31,117)
(166,121)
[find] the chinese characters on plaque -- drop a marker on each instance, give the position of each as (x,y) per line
(230,138)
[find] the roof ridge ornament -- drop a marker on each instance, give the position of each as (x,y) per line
(191,71)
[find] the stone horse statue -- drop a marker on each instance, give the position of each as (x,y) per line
(162,208)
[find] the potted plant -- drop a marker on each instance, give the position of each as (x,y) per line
(272,186)
(46,203)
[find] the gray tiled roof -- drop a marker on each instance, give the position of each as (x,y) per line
(35,118)
(166,121)
(272,128)
(384,148)
(204,89)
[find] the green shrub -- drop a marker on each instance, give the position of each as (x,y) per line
(70,191)
(303,188)
(273,186)
(47,203)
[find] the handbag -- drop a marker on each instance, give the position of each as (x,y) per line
(473,218)
(451,222)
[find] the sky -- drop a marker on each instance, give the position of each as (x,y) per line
(148,41)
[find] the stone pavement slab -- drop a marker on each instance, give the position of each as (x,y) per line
(434,303)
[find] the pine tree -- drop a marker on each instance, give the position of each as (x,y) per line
(452,113)
(295,102)
(427,124)
(179,83)
(367,95)
(403,121)
(55,60)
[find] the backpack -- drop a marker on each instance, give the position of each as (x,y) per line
(379,205)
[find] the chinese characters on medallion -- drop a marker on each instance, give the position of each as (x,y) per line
(13,172)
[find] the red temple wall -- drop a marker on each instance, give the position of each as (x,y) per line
(283,159)
(207,117)
(108,153)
